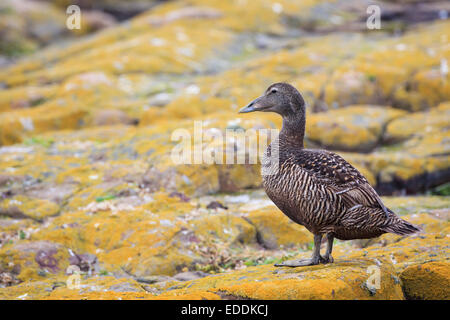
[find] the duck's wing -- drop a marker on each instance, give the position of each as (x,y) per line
(341,178)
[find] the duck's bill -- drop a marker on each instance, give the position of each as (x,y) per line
(247,109)
(251,107)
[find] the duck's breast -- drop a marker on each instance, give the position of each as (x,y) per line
(301,197)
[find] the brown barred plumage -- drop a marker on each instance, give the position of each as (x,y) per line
(319,189)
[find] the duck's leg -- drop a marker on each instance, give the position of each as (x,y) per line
(315,259)
(328,258)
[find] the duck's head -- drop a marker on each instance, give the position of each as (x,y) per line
(281,98)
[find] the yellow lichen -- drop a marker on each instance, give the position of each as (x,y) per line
(428,281)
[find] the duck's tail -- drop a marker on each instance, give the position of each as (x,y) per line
(400,226)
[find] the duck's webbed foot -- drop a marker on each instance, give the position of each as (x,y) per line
(326,259)
(316,258)
(298,263)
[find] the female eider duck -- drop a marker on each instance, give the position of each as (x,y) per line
(317,188)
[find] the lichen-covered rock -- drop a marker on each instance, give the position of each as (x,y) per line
(25,25)
(428,281)
(275,230)
(34,260)
(16,125)
(345,281)
(228,228)
(419,124)
(354,128)
(63,89)
(142,237)
(23,207)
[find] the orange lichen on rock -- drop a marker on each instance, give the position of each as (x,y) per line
(428,281)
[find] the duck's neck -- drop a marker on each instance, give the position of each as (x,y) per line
(293,130)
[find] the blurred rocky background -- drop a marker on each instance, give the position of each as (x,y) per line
(86,118)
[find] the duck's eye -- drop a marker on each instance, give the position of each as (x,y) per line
(273,90)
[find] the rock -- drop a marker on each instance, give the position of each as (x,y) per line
(116,92)
(25,97)
(117,9)
(408,168)
(354,128)
(7,179)
(226,227)
(275,230)
(24,207)
(185,13)
(156,244)
(16,125)
(349,87)
(154,279)
(189,275)
(418,124)
(232,179)
(111,117)
(94,20)
(8,279)
(124,287)
(216,205)
(55,193)
(46,260)
(32,260)
(159,100)
(36,246)
(428,281)
(13,212)
(346,280)
(180,195)
(86,262)
(29,25)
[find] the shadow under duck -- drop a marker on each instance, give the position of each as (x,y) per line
(317,188)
